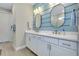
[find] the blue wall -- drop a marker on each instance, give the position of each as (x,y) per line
(69,19)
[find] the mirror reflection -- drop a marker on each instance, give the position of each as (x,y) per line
(57,16)
(37,21)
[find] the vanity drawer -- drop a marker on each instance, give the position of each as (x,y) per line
(68,44)
(51,40)
(47,39)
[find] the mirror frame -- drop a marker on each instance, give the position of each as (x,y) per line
(40,18)
(52,16)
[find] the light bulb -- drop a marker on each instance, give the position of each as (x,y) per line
(34,11)
(40,9)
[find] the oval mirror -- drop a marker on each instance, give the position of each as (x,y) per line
(37,21)
(57,16)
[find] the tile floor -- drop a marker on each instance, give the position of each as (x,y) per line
(8,50)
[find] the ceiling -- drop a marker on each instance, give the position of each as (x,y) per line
(7,6)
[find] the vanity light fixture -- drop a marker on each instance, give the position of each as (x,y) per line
(38,10)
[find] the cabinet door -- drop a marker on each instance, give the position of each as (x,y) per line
(61,51)
(31,42)
(43,48)
(34,44)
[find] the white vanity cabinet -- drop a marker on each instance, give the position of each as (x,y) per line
(49,46)
(37,45)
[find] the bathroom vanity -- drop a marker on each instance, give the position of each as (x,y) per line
(44,44)
(55,31)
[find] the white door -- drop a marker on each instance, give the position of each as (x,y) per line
(61,51)
(5,31)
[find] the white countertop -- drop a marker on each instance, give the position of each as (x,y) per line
(63,35)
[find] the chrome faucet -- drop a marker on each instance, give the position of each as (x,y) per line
(55,31)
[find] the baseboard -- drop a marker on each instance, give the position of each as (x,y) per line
(5,41)
(21,47)
(32,51)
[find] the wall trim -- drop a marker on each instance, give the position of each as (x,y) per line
(1,41)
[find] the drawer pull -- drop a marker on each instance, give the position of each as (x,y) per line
(66,44)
